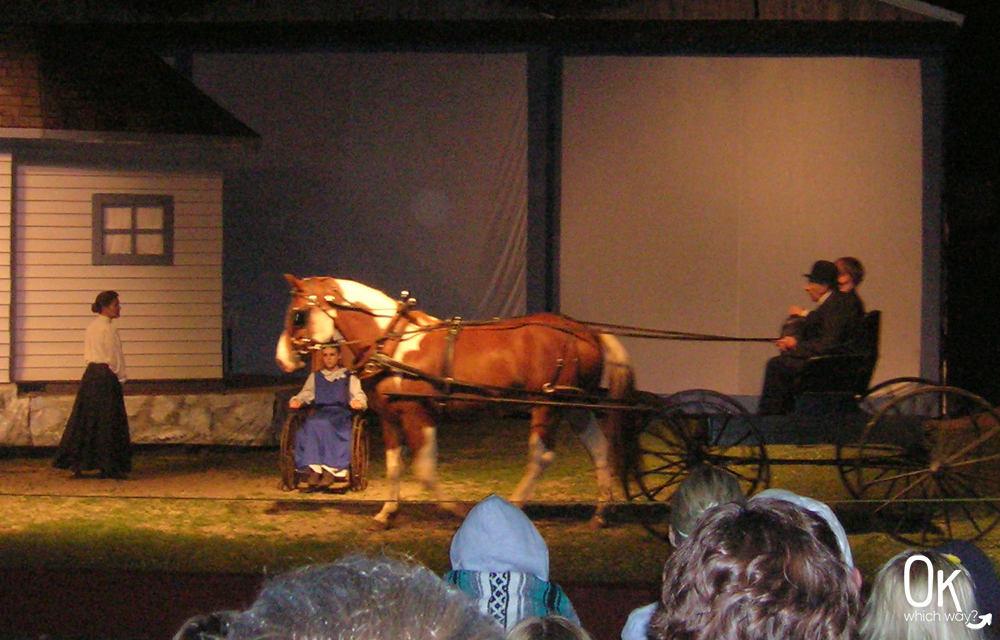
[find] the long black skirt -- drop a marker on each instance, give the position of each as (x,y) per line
(96,435)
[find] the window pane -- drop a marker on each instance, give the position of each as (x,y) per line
(149,218)
(118,217)
(149,244)
(118,243)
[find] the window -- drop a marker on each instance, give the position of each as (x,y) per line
(133,229)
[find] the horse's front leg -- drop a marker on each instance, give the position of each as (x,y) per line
(423,441)
(393,470)
(393,473)
(597,446)
(540,454)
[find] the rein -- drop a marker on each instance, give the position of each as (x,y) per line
(378,357)
(662,334)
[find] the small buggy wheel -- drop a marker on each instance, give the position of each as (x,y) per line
(929,464)
(695,427)
(360,443)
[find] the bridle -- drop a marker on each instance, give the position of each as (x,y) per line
(327,303)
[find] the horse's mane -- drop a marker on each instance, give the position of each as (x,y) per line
(375,300)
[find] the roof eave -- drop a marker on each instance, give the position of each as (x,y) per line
(126,139)
(929,10)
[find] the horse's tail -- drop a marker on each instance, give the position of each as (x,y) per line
(621,387)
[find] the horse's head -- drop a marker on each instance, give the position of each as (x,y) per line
(317,316)
(309,321)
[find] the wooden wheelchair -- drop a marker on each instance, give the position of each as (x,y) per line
(357,479)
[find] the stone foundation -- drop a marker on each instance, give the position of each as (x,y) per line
(242,418)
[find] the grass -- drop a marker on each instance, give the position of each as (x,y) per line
(219,510)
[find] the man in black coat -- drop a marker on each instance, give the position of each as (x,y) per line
(827,329)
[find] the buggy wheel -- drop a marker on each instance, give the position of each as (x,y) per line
(695,427)
(929,464)
(888,390)
(874,400)
(286,456)
(359,452)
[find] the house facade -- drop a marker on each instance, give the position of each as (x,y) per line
(110,178)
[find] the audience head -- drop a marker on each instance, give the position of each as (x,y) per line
(550,627)
(821,509)
(703,488)
(499,558)
(914,578)
(850,273)
(766,570)
(360,598)
(496,537)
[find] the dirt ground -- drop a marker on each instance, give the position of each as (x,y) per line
(204,498)
(197,528)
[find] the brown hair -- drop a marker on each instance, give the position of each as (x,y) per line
(853,268)
(761,571)
(550,627)
(103,299)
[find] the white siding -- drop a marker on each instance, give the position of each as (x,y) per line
(6,178)
(171,324)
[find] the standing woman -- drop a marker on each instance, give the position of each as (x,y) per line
(96,435)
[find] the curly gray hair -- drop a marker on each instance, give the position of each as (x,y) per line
(358,598)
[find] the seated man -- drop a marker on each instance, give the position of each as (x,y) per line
(827,329)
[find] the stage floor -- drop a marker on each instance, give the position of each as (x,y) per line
(196,529)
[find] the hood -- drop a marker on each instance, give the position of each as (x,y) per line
(497,537)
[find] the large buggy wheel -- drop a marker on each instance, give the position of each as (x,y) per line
(360,449)
(871,403)
(694,427)
(886,391)
(929,464)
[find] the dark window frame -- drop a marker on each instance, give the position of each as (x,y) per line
(103,201)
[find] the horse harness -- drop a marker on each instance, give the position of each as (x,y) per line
(378,359)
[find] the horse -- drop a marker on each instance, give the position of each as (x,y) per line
(418,370)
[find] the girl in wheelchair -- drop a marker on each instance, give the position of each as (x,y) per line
(323,444)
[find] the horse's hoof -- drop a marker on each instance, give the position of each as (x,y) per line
(598,522)
(378,525)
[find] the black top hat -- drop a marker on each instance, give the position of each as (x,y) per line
(823,272)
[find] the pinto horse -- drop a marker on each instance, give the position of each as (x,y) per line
(417,368)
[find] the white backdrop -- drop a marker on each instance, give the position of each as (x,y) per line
(697,191)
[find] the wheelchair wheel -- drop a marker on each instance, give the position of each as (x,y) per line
(360,450)
(286,456)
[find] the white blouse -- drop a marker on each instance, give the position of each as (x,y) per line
(101,344)
(308,393)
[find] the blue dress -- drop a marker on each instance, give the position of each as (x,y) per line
(325,438)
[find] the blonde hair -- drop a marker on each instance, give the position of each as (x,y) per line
(889,615)
(705,487)
(550,627)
